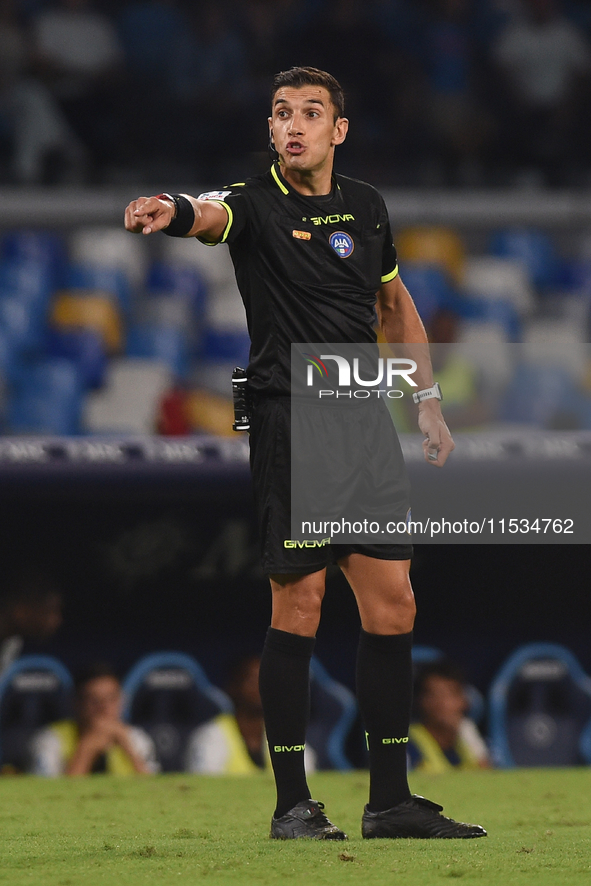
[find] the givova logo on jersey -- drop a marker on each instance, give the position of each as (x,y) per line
(342,244)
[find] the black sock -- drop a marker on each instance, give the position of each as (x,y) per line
(384,693)
(285,692)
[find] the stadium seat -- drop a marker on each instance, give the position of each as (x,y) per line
(91,311)
(557,343)
(539,706)
(85,348)
(429,288)
(487,310)
(542,396)
(27,281)
(130,399)
(22,323)
(46,398)
(534,248)
(166,343)
(499,278)
(432,245)
(110,281)
(333,710)
(34,691)
(30,247)
(179,279)
(169,695)
(110,248)
(166,310)
(226,345)
(426,654)
(213,264)
(210,412)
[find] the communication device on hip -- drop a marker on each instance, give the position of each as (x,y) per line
(240,397)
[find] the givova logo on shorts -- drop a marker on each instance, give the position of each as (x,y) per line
(308,543)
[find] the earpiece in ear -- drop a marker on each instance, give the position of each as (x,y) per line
(273,154)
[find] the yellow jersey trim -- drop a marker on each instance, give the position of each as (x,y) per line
(278,180)
(224,236)
(387,277)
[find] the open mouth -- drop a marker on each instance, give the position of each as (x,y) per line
(295,148)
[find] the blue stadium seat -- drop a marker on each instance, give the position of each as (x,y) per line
(333,710)
(27,281)
(30,247)
(165,343)
(22,322)
(34,691)
(84,348)
(539,706)
(538,394)
(177,279)
(496,311)
(100,278)
(428,286)
(426,654)
(229,346)
(46,399)
(534,248)
(168,695)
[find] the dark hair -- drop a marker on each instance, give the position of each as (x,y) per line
(93,671)
(304,76)
(444,668)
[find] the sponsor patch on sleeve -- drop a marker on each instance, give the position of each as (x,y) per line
(214,195)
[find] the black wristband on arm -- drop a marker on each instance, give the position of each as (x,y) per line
(184,218)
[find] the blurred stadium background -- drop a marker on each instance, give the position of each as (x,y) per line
(118,471)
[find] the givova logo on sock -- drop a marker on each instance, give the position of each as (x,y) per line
(286,749)
(403,740)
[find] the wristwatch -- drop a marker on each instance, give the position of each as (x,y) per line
(433,393)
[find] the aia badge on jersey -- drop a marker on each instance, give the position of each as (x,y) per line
(214,195)
(342,244)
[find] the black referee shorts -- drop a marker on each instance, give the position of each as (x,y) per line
(270,461)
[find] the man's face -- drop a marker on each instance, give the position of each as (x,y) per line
(443,702)
(303,127)
(100,699)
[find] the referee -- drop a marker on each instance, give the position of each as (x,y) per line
(301,284)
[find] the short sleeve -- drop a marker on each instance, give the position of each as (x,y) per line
(389,257)
(236,204)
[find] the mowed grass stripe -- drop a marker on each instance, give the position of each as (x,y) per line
(103,831)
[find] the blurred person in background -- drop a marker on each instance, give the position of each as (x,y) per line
(78,55)
(461,126)
(30,609)
(32,126)
(96,740)
(545,63)
(235,744)
(442,736)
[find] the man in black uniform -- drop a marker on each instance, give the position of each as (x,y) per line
(311,249)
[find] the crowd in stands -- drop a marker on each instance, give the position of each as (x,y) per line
(102,332)
(463,92)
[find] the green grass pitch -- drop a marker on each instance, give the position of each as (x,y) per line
(103,831)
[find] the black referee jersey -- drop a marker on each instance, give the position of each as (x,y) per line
(308,268)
